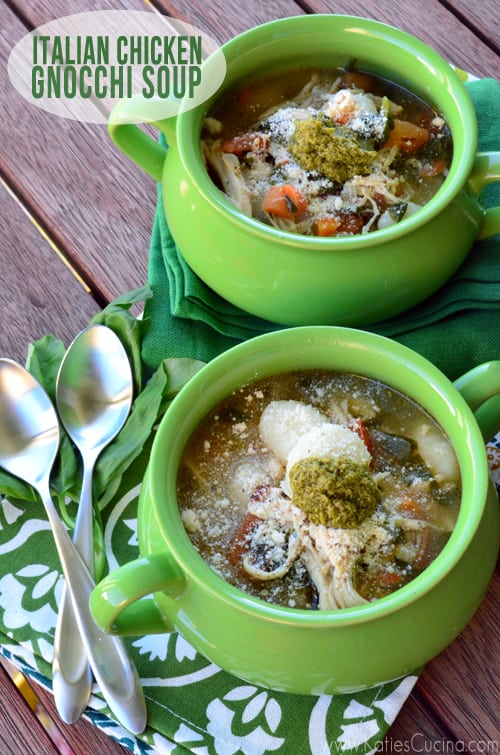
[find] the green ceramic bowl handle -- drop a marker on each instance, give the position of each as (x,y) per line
(119,604)
(138,145)
(486,171)
(481,389)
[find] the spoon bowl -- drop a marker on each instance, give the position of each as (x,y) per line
(94,392)
(29,442)
(94,388)
(28,425)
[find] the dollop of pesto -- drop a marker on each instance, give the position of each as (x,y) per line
(333,151)
(334,492)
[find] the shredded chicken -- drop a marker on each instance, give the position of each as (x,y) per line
(227,167)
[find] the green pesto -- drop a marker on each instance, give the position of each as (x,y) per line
(334,492)
(330,150)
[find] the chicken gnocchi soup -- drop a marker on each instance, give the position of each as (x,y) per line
(318,489)
(326,152)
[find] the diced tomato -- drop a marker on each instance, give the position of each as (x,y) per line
(252,141)
(431,169)
(284,201)
(424,555)
(357,80)
(333,225)
(389,579)
(359,427)
(239,544)
(407,136)
(413,507)
(244,96)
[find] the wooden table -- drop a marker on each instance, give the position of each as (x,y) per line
(76,219)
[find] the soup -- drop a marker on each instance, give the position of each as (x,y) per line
(318,489)
(326,152)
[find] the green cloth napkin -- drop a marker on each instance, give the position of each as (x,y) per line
(456,328)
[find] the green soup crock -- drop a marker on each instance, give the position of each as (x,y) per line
(169,587)
(294,279)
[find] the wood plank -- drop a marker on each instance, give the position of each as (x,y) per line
(20,730)
(223,19)
(461,684)
(483,17)
(432,22)
(39,292)
(416,729)
(90,198)
(82,736)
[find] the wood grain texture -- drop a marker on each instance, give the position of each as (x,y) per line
(89,197)
(418,729)
(430,21)
(483,18)
(223,19)
(461,684)
(22,732)
(39,293)
(83,737)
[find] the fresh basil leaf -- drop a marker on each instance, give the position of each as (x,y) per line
(66,479)
(179,370)
(14,488)
(127,327)
(43,360)
(129,298)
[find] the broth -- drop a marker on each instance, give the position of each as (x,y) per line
(326,152)
(245,510)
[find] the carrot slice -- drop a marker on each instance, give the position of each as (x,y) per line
(414,508)
(284,201)
(407,136)
(326,226)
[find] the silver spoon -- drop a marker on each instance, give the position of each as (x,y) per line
(93,397)
(29,441)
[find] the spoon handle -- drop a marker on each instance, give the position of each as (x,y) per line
(113,669)
(71,673)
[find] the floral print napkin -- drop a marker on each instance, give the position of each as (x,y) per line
(193,706)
